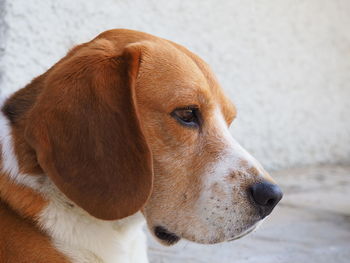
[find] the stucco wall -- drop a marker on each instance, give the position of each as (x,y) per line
(286,64)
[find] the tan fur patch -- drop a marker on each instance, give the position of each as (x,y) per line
(22,199)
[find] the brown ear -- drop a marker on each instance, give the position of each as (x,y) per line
(87,134)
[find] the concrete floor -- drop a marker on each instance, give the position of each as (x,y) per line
(311,224)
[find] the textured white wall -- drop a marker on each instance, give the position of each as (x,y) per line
(286,64)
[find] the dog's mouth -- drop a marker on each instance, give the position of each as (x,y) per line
(245,232)
(167,237)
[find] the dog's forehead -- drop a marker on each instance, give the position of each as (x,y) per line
(173,75)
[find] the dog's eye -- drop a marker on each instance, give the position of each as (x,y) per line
(188,116)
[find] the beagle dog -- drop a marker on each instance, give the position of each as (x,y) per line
(125,129)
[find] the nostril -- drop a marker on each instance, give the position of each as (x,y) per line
(266,195)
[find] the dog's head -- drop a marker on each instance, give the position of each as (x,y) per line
(130,122)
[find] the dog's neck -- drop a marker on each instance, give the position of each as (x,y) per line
(75,233)
(87,239)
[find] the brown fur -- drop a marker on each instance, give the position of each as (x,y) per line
(104,134)
(21,242)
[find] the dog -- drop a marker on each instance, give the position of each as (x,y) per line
(125,129)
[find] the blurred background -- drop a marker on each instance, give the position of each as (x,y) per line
(285,64)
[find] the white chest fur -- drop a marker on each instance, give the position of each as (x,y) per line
(86,239)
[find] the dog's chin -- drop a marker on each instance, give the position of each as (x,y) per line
(245,232)
(165,237)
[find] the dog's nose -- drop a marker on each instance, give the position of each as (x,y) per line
(266,196)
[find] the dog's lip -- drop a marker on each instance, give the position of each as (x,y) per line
(245,232)
(165,235)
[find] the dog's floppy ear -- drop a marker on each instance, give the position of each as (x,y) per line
(86,132)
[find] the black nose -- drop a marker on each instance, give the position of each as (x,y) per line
(266,196)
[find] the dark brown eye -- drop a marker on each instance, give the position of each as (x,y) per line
(188,116)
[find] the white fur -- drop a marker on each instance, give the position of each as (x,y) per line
(232,156)
(9,160)
(80,236)
(216,206)
(87,239)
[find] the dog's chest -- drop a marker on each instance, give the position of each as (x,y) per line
(85,239)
